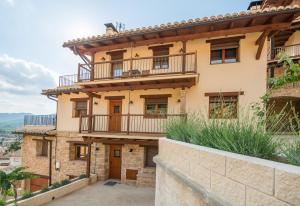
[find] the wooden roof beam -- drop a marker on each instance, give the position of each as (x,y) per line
(261,42)
(234,31)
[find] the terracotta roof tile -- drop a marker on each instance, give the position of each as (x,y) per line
(182,23)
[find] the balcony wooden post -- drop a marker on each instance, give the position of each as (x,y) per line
(80,123)
(78,73)
(183,101)
(90,117)
(128,124)
(183,56)
(88,158)
(92,76)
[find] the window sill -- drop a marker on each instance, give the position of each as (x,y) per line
(225,63)
(42,156)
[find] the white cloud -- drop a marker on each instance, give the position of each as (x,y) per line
(21,83)
(10,2)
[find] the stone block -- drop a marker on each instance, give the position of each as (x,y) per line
(256,198)
(254,175)
(212,161)
(287,187)
(228,190)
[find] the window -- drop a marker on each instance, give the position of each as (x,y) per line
(161,58)
(156,106)
(223,107)
(117,63)
(42,148)
(225,55)
(80,152)
(80,108)
(150,152)
(225,50)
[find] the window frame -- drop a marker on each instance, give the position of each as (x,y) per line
(223,44)
(223,59)
(146,163)
(77,112)
(76,152)
(43,151)
(223,105)
(158,100)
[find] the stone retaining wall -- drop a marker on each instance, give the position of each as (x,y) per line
(193,175)
(46,197)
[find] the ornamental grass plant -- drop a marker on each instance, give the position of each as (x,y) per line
(249,134)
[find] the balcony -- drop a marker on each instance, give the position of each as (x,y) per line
(184,63)
(292,50)
(40,120)
(128,123)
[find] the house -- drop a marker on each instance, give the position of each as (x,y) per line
(111,114)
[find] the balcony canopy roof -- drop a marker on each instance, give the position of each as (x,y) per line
(274,18)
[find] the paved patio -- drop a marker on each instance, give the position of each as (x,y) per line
(100,194)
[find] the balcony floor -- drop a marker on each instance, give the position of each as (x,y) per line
(111,135)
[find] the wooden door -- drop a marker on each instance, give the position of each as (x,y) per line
(115,159)
(115,115)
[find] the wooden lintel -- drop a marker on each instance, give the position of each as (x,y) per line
(79,99)
(225,40)
(223,94)
(114,97)
(156,96)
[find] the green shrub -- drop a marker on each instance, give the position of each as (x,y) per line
(45,189)
(56,185)
(27,195)
(10,192)
(82,176)
(246,135)
(292,153)
(2,203)
(65,182)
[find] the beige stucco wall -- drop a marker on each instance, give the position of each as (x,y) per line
(193,175)
(248,75)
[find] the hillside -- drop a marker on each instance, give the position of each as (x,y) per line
(11,121)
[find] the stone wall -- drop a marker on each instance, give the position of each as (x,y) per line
(133,158)
(63,153)
(194,175)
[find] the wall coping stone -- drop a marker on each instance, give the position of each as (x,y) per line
(263,162)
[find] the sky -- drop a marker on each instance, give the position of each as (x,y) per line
(32,33)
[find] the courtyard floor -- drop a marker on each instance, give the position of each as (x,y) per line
(100,194)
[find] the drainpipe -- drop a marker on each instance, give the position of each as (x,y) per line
(50,153)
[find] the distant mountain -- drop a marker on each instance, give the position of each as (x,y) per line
(11,121)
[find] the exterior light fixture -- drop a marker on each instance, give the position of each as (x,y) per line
(103,58)
(137,55)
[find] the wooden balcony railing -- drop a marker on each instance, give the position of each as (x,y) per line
(291,50)
(132,123)
(134,67)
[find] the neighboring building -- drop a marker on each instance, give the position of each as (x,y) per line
(288,41)
(111,114)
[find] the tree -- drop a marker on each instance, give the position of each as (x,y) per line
(11,179)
